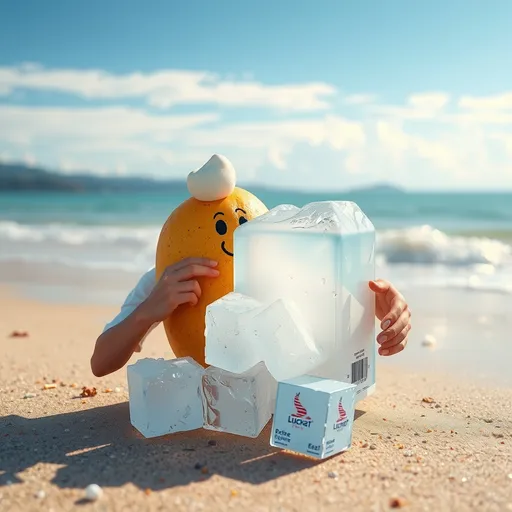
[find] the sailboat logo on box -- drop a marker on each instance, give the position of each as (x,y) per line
(300,418)
(342,416)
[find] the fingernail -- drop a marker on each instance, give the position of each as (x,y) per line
(386,324)
(384,352)
(213,263)
(382,338)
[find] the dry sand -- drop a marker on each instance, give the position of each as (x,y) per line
(453,454)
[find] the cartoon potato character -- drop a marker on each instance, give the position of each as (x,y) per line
(203,226)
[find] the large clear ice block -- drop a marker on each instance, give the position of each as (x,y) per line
(321,258)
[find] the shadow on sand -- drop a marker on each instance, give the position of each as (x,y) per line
(99,445)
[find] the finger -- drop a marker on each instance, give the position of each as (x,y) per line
(191,271)
(205,262)
(379,286)
(189,286)
(393,350)
(395,340)
(187,298)
(397,307)
(393,329)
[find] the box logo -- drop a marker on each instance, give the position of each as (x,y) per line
(342,416)
(300,418)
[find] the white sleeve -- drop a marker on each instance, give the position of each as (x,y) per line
(138,295)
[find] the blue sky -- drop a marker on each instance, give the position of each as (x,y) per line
(338,95)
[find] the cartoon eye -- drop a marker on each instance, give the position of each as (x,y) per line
(242,220)
(221,227)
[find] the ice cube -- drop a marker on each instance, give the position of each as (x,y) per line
(239,404)
(231,343)
(320,258)
(165,395)
(313,416)
(285,343)
(241,332)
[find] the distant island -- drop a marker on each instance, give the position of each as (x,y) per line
(19,178)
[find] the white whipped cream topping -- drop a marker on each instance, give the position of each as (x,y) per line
(215,180)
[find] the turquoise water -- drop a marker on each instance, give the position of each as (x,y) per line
(455,213)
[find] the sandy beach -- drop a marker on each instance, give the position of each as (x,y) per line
(450,452)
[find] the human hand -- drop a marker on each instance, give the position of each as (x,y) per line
(176,286)
(395,316)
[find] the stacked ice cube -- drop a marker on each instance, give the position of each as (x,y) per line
(242,332)
(165,396)
(238,403)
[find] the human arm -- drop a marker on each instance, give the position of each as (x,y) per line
(177,285)
(394,314)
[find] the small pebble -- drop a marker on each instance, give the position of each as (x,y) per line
(93,492)
(408,453)
(118,390)
(198,466)
(509,476)
(333,474)
(40,495)
(29,395)
(397,503)
(373,447)
(212,442)
(429,341)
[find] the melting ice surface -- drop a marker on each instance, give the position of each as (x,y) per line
(238,403)
(318,258)
(241,332)
(165,396)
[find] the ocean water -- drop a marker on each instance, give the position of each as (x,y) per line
(426,240)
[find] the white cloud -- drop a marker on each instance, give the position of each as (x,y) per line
(431,101)
(336,131)
(420,106)
(360,99)
(166,88)
(496,102)
(25,124)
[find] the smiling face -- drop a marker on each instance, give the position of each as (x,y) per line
(222,228)
(202,229)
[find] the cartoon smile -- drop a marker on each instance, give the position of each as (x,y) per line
(223,247)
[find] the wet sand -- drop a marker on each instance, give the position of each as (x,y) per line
(451,453)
